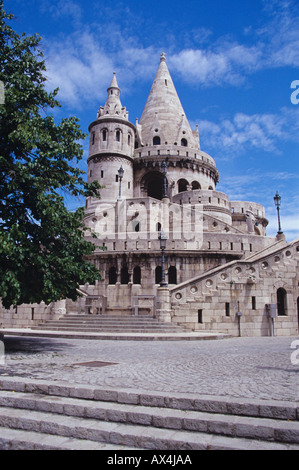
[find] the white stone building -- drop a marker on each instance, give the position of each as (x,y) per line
(218,259)
(222,273)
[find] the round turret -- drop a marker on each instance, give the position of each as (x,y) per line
(111,146)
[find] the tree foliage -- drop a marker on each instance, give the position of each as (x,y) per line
(42,244)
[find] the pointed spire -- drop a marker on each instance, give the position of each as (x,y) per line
(163,105)
(113,106)
(114,83)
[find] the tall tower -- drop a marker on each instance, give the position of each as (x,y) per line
(165,135)
(111,146)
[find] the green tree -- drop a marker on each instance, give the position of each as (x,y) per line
(42,246)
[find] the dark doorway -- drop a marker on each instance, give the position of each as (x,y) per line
(172,275)
(137,275)
(124,275)
(112,275)
(153,184)
(281,301)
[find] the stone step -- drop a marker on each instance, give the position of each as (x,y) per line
(16,439)
(225,425)
(283,410)
(123,434)
(141,420)
(109,324)
(107,329)
(109,317)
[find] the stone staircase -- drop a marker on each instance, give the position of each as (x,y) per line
(42,415)
(109,324)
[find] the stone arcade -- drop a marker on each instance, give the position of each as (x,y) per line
(222,273)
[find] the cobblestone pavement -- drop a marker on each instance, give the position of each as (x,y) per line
(237,367)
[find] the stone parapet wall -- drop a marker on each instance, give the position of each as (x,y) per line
(211,301)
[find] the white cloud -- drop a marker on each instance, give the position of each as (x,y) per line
(81,64)
(259,131)
(79,67)
(280,35)
(209,67)
(82,68)
(274,45)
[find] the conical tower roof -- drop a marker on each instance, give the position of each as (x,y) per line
(163,106)
(113,106)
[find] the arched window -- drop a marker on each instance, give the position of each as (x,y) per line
(112,275)
(172,275)
(183,185)
(124,275)
(156,140)
(158,227)
(129,139)
(281,301)
(104,135)
(153,184)
(184,143)
(158,275)
(195,185)
(137,275)
(117,135)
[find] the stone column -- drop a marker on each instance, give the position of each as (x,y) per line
(163,305)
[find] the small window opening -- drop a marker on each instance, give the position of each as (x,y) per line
(227,312)
(199,315)
(112,275)
(281,301)
(137,275)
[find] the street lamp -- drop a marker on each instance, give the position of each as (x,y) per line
(120,176)
(277,200)
(164,170)
(163,239)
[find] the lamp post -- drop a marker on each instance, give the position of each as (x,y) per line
(277,200)
(164,170)
(163,239)
(120,176)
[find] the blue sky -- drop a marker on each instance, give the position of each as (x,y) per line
(232,63)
